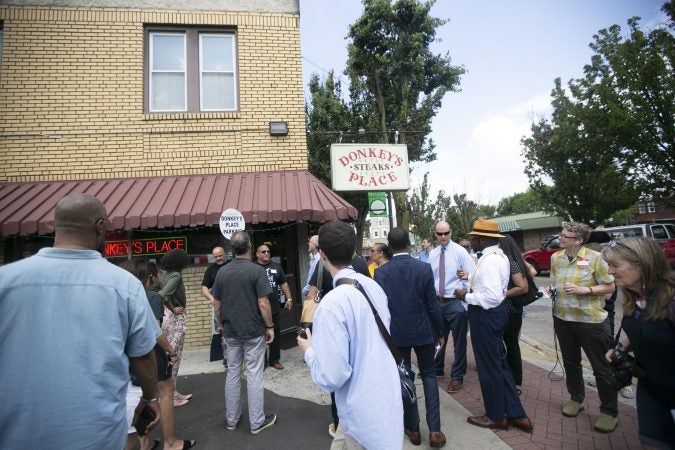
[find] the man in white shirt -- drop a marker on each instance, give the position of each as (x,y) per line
(487,318)
(348,355)
(313,247)
(446,260)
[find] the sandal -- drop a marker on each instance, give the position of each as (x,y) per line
(188,444)
(178,402)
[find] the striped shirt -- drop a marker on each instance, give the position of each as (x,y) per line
(587,269)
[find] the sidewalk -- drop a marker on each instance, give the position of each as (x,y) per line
(543,393)
(304,411)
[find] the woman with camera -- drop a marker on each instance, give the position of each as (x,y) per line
(642,272)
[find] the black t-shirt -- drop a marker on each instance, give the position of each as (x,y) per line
(358,264)
(276,277)
(210,274)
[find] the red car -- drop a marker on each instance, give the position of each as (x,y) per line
(540,259)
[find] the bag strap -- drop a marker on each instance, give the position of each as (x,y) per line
(319,279)
(383,330)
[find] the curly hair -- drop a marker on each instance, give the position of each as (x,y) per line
(175,260)
(582,230)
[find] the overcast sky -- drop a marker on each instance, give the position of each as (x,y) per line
(512,51)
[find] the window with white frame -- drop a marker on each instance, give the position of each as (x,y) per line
(650,207)
(190,69)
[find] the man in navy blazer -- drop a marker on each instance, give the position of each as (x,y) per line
(417,323)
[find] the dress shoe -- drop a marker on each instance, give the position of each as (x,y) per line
(436,439)
(277,365)
(524,424)
(485,422)
(414,436)
(455,386)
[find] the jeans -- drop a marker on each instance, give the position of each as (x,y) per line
(455,319)
(411,414)
(252,351)
(595,340)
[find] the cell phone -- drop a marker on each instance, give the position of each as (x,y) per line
(302,332)
(147,416)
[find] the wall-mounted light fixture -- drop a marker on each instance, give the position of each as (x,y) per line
(278,128)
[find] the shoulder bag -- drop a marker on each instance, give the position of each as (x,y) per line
(532,295)
(408,392)
(309,305)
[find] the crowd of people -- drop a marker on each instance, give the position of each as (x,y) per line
(357,342)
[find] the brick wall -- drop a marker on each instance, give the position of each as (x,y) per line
(71,98)
(198,311)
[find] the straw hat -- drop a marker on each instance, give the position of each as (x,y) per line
(484,227)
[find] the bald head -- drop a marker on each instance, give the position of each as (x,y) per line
(80,222)
(78,211)
(313,244)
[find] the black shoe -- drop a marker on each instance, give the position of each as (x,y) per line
(269,421)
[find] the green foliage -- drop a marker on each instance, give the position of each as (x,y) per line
(328,111)
(395,78)
(634,84)
(521,203)
(423,213)
(611,138)
(462,215)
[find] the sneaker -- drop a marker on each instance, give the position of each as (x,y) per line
(331,429)
(627,392)
(605,423)
(591,382)
(233,427)
(572,408)
(269,421)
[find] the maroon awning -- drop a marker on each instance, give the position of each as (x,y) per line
(178,201)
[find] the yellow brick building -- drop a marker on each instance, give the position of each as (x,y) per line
(123,92)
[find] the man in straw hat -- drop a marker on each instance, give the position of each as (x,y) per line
(487,319)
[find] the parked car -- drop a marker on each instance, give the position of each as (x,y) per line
(662,233)
(540,258)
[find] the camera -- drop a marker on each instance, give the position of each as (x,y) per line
(622,369)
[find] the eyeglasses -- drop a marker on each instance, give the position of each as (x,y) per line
(375,251)
(264,251)
(564,236)
(444,233)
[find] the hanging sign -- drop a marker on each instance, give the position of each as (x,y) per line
(369,167)
(378,204)
(231,221)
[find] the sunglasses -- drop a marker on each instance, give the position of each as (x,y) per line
(264,251)
(568,237)
(444,233)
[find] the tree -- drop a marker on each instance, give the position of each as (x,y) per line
(611,139)
(423,213)
(634,81)
(325,113)
(520,203)
(574,151)
(396,75)
(462,215)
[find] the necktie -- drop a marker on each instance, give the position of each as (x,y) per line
(441,273)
